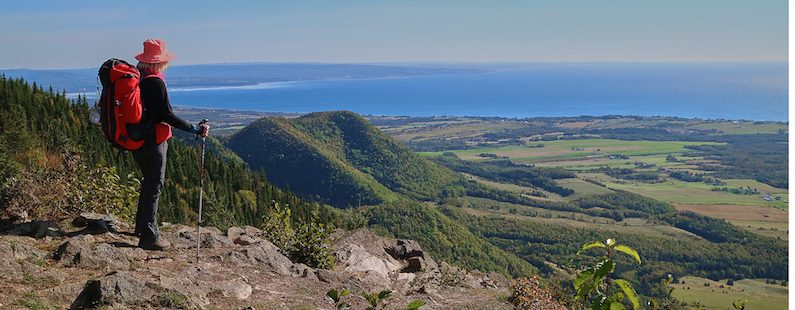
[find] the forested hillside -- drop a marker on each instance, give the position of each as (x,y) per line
(341,158)
(54,161)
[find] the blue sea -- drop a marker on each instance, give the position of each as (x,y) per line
(753,91)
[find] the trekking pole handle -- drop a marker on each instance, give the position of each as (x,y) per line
(204,121)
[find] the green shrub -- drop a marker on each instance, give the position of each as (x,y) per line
(375,298)
(63,185)
(307,242)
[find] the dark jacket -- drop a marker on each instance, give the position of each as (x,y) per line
(158,114)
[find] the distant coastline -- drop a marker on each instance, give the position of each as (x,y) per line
(753,91)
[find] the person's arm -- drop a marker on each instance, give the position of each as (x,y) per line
(159,107)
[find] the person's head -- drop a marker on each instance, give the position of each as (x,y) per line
(155,56)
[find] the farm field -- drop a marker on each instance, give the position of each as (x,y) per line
(459,128)
(632,226)
(680,192)
(650,157)
(760,295)
(742,127)
(554,151)
(658,160)
(778,230)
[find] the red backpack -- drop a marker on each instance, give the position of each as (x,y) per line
(120,104)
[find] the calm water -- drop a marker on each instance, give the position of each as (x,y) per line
(756,91)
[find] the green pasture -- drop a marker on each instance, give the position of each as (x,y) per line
(658,160)
(580,149)
(759,294)
(675,191)
(768,229)
(740,127)
(486,207)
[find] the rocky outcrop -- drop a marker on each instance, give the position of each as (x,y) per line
(90,266)
(402,266)
(83,251)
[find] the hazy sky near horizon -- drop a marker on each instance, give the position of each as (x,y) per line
(82,33)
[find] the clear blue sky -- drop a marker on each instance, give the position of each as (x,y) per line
(68,34)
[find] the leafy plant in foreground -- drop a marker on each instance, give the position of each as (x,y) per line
(376,298)
(596,286)
(414,305)
(337,298)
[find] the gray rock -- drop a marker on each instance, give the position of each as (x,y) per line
(83,251)
(354,258)
(304,271)
(235,288)
(244,240)
(184,237)
(263,253)
(404,249)
(328,276)
(122,288)
(9,267)
(235,232)
(412,254)
(18,255)
(244,236)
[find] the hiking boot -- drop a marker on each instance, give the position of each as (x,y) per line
(159,245)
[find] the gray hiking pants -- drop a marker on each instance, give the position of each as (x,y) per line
(152,162)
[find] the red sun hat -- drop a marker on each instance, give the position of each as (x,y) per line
(155,52)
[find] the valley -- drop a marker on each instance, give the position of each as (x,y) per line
(523,184)
(518,197)
(654,158)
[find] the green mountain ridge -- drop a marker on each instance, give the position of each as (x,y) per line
(338,157)
(341,159)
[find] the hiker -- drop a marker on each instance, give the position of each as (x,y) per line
(151,157)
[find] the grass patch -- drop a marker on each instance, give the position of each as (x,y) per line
(32,301)
(579,149)
(679,192)
(740,127)
(759,294)
(769,229)
(173,300)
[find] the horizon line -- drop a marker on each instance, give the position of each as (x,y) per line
(430,62)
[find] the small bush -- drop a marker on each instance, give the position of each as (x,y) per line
(63,186)
(306,242)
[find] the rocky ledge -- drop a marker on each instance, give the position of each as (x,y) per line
(92,262)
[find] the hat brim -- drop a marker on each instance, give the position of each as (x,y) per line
(155,58)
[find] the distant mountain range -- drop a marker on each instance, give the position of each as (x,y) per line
(338,157)
(237,74)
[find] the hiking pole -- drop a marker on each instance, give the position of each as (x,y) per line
(201,194)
